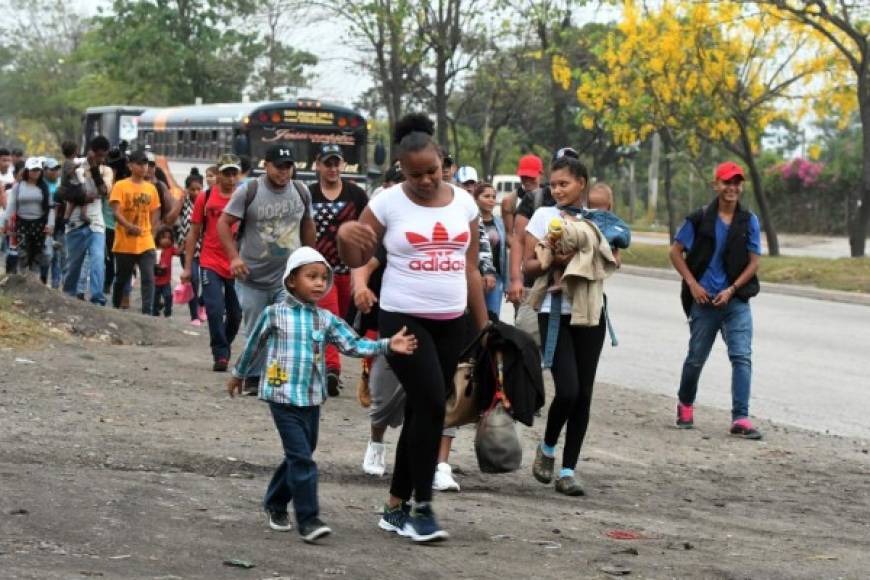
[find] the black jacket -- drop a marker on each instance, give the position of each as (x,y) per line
(736,254)
(521,369)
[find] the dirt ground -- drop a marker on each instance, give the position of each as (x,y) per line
(130,461)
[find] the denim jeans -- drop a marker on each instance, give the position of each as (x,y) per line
(494,297)
(162,300)
(223,310)
(735,323)
(296,478)
(253,301)
(124,264)
(79,242)
(53,269)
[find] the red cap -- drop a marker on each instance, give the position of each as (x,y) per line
(530,166)
(729,170)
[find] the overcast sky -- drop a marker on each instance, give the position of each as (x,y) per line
(336,78)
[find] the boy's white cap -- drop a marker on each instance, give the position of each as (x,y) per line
(307,255)
(466,173)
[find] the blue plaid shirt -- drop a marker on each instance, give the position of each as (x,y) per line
(293,335)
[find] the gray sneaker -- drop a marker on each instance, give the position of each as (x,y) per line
(542,468)
(569,485)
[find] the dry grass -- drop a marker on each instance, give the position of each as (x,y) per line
(849,274)
(16,328)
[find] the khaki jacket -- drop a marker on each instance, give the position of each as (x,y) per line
(582,282)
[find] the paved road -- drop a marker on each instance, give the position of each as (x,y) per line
(810,362)
(790,244)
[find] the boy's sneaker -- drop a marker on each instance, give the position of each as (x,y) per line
(333,382)
(313,529)
(394,519)
(421,525)
(375,461)
(743,428)
(279,521)
(196,322)
(569,485)
(220,365)
(685,416)
(542,468)
(443,480)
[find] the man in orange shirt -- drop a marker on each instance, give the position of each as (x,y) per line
(136,205)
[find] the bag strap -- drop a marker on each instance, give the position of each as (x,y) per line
(250,193)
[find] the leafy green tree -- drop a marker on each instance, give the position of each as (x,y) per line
(167,52)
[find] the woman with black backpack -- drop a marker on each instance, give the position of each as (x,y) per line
(30,214)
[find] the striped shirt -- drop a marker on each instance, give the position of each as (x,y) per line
(293,335)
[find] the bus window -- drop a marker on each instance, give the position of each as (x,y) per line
(128,127)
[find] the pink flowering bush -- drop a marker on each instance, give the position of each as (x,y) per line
(800,171)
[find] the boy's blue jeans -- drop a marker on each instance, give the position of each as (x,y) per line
(296,478)
(735,323)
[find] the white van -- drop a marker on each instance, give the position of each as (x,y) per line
(504,184)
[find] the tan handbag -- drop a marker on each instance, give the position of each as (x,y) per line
(462,407)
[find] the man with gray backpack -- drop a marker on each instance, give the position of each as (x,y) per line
(274,216)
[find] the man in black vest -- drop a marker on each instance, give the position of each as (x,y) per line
(717,252)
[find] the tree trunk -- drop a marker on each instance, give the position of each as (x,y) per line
(632,192)
(758,189)
(653,177)
(669,202)
(441,99)
(858,229)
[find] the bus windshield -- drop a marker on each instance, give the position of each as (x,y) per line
(305,144)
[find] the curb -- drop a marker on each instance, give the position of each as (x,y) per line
(784,289)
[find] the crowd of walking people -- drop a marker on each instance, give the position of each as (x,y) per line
(404,277)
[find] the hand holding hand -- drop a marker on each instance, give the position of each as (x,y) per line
(488,282)
(186,276)
(403,342)
(364,299)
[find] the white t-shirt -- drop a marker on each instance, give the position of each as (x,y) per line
(426,247)
(537,227)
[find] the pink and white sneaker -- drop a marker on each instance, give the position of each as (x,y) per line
(196,322)
(743,428)
(685,416)
(202,314)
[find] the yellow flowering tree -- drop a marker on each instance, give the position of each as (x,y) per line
(843,27)
(696,73)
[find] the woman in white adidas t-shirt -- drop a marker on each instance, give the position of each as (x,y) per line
(429,229)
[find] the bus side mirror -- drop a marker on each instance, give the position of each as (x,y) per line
(380,153)
(240,145)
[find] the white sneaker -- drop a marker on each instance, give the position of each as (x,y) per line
(375,461)
(444,479)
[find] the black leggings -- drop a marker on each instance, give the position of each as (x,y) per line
(424,376)
(574,364)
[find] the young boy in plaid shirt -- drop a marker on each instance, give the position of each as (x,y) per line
(286,349)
